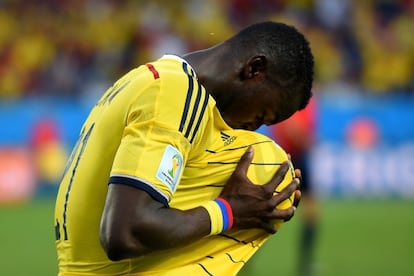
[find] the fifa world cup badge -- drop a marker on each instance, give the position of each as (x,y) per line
(170,168)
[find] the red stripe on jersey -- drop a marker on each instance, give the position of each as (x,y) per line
(153,70)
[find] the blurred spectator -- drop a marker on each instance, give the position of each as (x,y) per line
(388,56)
(72,48)
(49,154)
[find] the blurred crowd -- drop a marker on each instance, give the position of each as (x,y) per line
(76,48)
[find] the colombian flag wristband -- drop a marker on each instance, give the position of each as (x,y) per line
(227,213)
(221,215)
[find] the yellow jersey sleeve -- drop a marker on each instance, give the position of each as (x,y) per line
(163,121)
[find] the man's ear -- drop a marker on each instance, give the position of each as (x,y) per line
(254,67)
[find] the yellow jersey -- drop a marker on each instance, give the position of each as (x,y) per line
(159,130)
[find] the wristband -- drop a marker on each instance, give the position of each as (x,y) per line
(227,213)
(221,215)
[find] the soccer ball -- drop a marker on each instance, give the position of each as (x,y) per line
(268,157)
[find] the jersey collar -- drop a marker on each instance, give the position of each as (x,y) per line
(180,59)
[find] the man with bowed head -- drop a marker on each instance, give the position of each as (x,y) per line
(153,185)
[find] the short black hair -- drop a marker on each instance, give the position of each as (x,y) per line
(290,59)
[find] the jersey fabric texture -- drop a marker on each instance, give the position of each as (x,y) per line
(156,129)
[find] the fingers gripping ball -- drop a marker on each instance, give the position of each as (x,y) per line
(268,157)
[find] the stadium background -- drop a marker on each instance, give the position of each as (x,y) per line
(56,57)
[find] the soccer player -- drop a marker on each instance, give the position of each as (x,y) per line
(149,137)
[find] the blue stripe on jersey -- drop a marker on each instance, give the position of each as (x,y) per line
(84,140)
(203,109)
(140,185)
(188,99)
(189,123)
(192,118)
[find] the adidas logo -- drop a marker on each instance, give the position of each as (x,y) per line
(227,139)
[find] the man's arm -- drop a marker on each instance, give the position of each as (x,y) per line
(133,223)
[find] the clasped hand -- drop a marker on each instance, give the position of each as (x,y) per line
(254,206)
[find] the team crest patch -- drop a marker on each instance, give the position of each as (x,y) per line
(170,167)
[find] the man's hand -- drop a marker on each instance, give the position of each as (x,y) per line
(134,223)
(254,206)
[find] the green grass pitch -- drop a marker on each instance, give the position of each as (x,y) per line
(359,237)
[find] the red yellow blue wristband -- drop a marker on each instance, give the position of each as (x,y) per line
(221,215)
(226,212)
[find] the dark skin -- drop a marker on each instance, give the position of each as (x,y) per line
(133,223)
